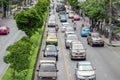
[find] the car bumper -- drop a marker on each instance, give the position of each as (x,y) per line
(52,43)
(79,57)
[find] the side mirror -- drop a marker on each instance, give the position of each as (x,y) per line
(94,68)
(57,70)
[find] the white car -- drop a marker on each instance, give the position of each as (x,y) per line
(71,14)
(69,30)
(64,25)
(85,71)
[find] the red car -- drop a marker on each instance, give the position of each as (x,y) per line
(76,17)
(4,30)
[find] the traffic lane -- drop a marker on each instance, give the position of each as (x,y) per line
(6,40)
(106,62)
(61,64)
(100,59)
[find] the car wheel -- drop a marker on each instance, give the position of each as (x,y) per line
(91,44)
(102,45)
(87,41)
(56,58)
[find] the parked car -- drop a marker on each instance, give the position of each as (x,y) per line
(77,50)
(52,39)
(4,30)
(76,17)
(85,31)
(47,69)
(69,38)
(64,25)
(51,51)
(94,38)
(69,30)
(85,71)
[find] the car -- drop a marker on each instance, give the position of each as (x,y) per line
(69,38)
(51,30)
(71,14)
(4,30)
(76,17)
(77,50)
(52,39)
(94,38)
(47,69)
(85,71)
(61,13)
(63,18)
(85,31)
(64,25)
(51,51)
(52,23)
(69,30)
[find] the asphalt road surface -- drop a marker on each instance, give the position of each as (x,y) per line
(6,40)
(105,60)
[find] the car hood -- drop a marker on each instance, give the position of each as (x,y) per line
(50,53)
(79,51)
(97,38)
(85,73)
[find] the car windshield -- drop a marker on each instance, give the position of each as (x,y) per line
(96,36)
(77,46)
(51,37)
(85,67)
(47,68)
(51,49)
(69,29)
(72,38)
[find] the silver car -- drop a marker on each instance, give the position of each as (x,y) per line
(64,25)
(47,69)
(69,38)
(94,38)
(77,50)
(69,30)
(85,71)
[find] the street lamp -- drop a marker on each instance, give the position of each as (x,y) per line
(110,22)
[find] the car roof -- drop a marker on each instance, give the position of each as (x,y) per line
(84,62)
(76,42)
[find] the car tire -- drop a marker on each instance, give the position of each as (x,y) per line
(56,58)
(102,45)
(87,42)
(91,44)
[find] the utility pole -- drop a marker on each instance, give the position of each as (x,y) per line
(110,23)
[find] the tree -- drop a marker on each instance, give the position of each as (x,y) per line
(28,21)
(19,55)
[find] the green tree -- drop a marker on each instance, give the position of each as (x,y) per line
(28,21)
(19,55)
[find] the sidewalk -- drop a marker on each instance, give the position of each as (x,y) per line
(106,40)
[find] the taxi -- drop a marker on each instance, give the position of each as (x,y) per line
(51,39)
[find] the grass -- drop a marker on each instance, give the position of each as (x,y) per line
(19,76)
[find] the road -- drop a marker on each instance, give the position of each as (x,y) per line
(6,40)
(105,59)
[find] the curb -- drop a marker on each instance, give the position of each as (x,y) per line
(113,45)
